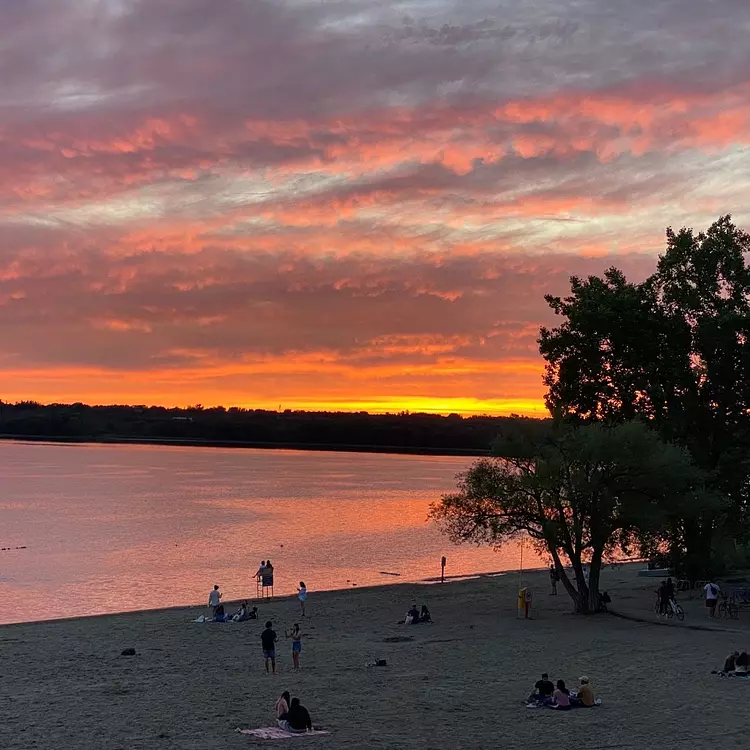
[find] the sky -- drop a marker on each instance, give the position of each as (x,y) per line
(343,204)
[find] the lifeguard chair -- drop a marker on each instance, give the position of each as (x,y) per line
(264,583)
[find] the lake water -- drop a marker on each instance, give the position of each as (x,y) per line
(110,528)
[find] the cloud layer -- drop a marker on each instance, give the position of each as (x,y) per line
(338,204)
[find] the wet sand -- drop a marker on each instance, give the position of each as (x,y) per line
(458,684)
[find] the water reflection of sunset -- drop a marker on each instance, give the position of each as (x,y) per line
(140,527)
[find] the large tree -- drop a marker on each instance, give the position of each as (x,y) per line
(580,495)
(675,350)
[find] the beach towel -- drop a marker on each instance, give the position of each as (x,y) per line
(277,733)
(203,618)
(535,704)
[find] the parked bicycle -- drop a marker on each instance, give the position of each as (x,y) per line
(728,608)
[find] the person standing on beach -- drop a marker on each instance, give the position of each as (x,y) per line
(268,641)
(302,595)
(553,579)
(712,597)
(296,635)
(214,600)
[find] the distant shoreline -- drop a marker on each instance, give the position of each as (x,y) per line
(261,445)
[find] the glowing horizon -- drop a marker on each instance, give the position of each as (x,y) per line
(343,204)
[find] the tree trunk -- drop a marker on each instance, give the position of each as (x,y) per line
(578,593)
(595,570)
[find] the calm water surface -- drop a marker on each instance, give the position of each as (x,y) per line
(110,528)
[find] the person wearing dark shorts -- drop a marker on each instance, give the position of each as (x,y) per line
(268,641)
(712,597)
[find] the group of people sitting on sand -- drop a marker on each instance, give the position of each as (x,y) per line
(291,715)
(218,613)
(736,665)
(560,697)
(415,616)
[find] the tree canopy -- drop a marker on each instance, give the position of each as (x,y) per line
(674,350)
(582,495)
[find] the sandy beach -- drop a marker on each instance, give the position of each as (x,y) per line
(458,684)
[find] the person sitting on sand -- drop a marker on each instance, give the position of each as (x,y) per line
(585,697)
(412,616)
(741,664)
(729,663)
(242,614)
(543,690)
(253,614)
(424,615)
(297,719)
(282,704)
(561,696)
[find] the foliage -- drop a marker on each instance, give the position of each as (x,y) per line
(417,433)
(675,350)
(580,495)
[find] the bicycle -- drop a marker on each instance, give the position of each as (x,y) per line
(675,610)
(728,609)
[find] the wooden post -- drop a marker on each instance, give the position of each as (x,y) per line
(442,569)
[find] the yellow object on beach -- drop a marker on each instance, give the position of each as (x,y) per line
(522,599)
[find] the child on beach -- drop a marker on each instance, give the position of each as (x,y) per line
(302,595)
(296,635)
(268,642)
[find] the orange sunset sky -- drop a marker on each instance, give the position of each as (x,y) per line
(343,203)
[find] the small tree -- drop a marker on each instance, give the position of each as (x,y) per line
(581,495)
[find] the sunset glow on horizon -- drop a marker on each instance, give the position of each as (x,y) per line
(343,205)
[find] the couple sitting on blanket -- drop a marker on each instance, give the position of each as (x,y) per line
(291,715)
(559,697)
(736,664)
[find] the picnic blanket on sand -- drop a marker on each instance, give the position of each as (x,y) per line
(277,733)
(597,702)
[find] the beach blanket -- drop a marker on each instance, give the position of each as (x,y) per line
(597,702)
(277,733)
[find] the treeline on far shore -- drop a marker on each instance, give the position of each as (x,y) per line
(404,432)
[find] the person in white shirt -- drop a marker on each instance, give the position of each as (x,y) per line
(712,597)
(214,599)
(302,596)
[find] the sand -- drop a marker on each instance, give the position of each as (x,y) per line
(458,684)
